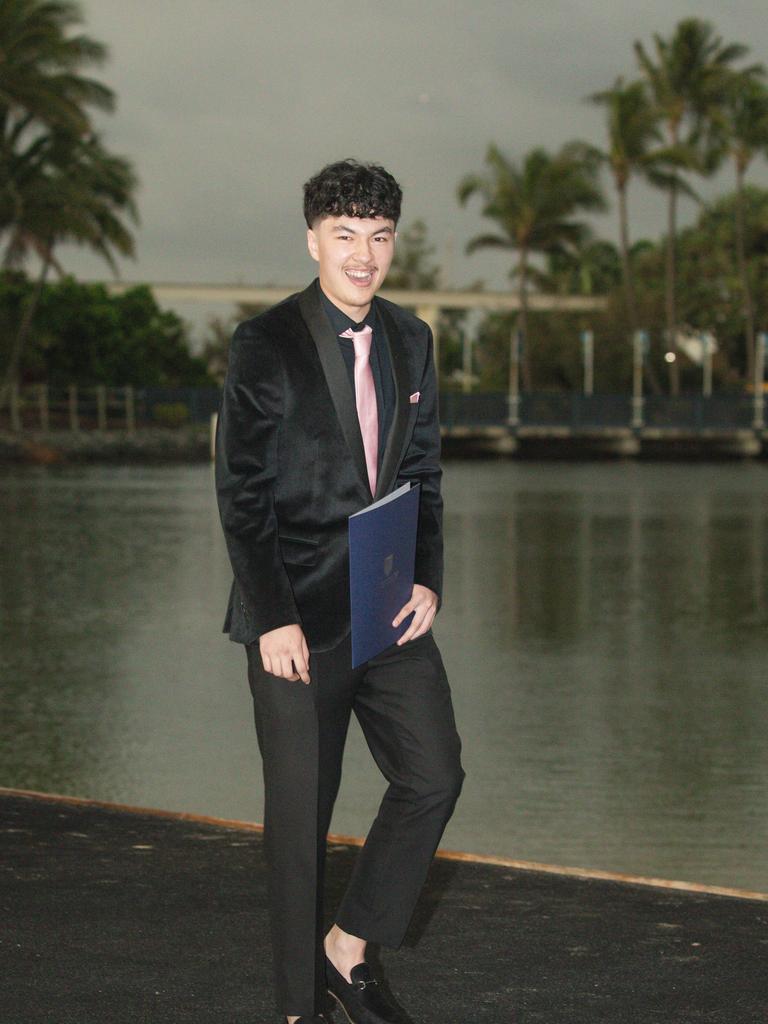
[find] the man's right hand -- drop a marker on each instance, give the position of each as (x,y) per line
(284,653)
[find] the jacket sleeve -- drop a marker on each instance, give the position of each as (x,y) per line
(421,464)
(246,467)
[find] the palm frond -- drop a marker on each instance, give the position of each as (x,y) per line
(488,242)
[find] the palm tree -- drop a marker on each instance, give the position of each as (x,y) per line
(591,268)
(533,204)
(413,265)
(41,88)
(39,72)
(73,191)
(746,119)
(57,182)
(634,141)
(686,79)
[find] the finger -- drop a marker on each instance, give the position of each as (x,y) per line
(278,670)
(427,617)
(277,666)
(424,626)
(286,668)
(414,628)
(301,667)
(410,634)
(404,612)
(266,662)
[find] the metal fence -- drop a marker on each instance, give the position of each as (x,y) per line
(39,407)
(43,408)
(577,411)
(699,412)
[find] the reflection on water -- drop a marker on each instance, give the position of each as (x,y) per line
(604,628)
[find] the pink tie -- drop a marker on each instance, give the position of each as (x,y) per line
(365,399)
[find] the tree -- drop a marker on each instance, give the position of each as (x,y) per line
(687,79)
(634,147)
(40,79)
(534,204)
(591,268)
(41,87)
(710,295)
(72,191)
(413,267)
(86,335)
(57,181)
(746,118)
(634,138)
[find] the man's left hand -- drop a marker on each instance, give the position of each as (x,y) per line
(423,604)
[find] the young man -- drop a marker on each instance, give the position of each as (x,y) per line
(331,402)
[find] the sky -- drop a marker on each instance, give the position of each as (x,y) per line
(226,107)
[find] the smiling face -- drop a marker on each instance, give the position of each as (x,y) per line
(354,254)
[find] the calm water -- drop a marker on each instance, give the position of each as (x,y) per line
(605,629)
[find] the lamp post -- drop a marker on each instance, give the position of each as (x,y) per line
(639,351)
(707,350)
(588,354)
(513,396)
(466,362)
(761,341)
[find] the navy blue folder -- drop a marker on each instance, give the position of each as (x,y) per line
(382,550)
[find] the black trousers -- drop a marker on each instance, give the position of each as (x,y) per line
(403,703)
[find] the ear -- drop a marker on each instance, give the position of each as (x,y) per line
(312,245)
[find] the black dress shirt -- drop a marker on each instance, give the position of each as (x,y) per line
(381,366)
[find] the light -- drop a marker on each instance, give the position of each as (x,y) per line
(670,357)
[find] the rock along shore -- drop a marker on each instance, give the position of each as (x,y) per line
(151,444)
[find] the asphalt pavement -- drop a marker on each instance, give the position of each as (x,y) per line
(115,916)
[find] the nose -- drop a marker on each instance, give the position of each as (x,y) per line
(364,250)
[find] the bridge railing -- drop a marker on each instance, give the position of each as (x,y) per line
(38,407)
(478,409)
(576,411)
(699,412)
(543,409)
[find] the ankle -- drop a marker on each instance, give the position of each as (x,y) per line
(344,951)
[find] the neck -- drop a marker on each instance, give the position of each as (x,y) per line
(355,313)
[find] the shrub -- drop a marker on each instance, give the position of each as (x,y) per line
(171,414)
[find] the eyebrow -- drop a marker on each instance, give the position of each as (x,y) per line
(348,228)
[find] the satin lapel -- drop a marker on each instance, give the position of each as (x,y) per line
(399,360)
(336,376)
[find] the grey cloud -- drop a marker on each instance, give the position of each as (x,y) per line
(227,106)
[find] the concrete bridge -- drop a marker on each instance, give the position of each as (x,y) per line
(426,304)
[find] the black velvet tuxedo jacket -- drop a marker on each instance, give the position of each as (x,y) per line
(290,465)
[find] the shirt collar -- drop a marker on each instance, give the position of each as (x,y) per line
(340,322)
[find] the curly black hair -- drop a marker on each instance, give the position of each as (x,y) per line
(351,189)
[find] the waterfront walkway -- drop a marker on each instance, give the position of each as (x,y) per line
(116,916)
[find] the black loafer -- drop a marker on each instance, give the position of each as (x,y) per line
(363,1001)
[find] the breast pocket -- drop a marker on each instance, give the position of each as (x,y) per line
(410,423)
(298,550)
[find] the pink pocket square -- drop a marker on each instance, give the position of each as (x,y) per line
(413,399)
